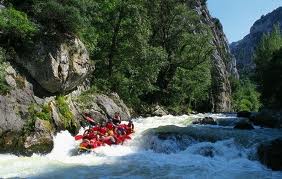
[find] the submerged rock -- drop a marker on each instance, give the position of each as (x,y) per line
(244,125)
(270,154)
(245,114)
(206,120)
(268,118)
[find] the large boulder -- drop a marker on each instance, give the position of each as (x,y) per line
(268,118)
(245,114)
(101,107)
(158,111)
(270,154)
(38,141)
(57,65)
(109,106)
(14,105)
(41,140)
(244,125)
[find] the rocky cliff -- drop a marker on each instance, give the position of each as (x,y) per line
(224,64)
(30,113)
(49,90)
(244,49)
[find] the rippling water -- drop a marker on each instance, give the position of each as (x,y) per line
(231,154)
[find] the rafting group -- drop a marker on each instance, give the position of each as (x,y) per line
(105,133)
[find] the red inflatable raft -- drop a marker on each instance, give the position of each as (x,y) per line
(107,134)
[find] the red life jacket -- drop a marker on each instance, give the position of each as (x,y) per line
(103,130)
(96,128)
(110,126)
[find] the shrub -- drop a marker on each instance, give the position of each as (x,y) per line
(35,112)
(4,87)
(245,96)
(57,16)
(15,26)
(65,113)
(268,59)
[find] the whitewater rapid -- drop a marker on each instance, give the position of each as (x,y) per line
(148,156)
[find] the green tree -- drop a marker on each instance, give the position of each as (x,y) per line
(190,89)
(15,27)
(245,96)
(268,68)
(126,61)
(176,28)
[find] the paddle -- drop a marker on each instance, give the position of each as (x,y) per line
(78,137)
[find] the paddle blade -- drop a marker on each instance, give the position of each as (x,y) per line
(78,137)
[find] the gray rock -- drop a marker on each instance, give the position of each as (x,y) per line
(14,109)
(268,118)
(40,141)
(11,81)
(224,64)
(243,125)
(244,49)
(110,107)
(270,154)
(159,111)
(11,71)
(245,114)
(115,97)
(101,107)
(205,120)
(56,117)
(58,66)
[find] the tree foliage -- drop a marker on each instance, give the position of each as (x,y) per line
(148,51)
(4,87)
(15,27)
(176,28)
(245,95)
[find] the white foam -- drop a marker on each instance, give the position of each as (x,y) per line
(228,159)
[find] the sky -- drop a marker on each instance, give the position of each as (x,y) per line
(237,16)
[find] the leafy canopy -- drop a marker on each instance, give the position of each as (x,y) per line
(268,68)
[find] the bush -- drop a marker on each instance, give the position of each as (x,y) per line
(245,96)
(65,113)
(37,112)
(4,87)
(57,16)
(15,26)
(268,59)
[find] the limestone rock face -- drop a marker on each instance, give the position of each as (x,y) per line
(14,106)
(101,107)
(40,141)
(58,66)
(244,49)
(224,64)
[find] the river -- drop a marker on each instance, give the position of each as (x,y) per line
(148,156)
